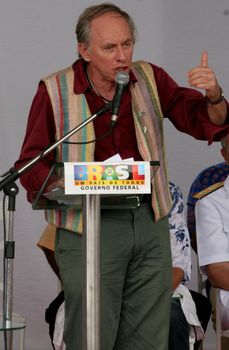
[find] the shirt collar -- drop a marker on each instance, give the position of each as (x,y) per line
(81,84)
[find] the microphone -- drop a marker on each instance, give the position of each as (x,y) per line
(121,79)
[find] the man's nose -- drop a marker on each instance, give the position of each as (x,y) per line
(120,55)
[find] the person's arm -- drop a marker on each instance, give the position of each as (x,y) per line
(203,77)
(179,239)
(218,112)
(40,133)
(187,109)
(177,277)
(218,274)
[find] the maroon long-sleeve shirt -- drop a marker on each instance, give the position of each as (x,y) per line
(186,108)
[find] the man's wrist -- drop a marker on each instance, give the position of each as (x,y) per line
(218,100)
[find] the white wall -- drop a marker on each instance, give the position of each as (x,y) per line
(37,38)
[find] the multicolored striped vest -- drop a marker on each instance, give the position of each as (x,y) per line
(70,110)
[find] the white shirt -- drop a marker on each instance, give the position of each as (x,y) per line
(212,226)
(212,231)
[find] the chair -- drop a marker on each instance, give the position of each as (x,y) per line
(219,332)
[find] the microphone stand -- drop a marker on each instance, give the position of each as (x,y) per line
(89,204)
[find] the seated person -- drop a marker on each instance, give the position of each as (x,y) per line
(208,177)
(185,328)
(212,229)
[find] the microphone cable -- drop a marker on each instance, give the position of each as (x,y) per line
(109,132)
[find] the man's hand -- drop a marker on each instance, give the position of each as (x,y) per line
(203,77)
(56,184)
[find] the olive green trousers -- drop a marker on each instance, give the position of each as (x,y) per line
(135,281)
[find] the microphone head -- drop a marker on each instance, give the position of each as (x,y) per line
(122,77)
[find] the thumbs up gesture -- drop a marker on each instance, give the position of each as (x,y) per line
(203,77)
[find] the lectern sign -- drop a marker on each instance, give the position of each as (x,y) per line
(97,177)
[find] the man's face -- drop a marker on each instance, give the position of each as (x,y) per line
(110,47)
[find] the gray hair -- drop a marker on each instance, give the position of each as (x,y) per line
(83,25)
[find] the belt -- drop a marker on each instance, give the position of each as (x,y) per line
(145,198)
(124,202)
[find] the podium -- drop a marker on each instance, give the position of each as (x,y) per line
(95,186)
(91,208)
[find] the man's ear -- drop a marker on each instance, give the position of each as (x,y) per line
(83,51)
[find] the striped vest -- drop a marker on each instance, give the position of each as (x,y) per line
(70,110)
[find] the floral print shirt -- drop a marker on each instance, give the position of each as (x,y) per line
(179,235)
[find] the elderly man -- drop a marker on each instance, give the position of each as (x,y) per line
(135,250)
